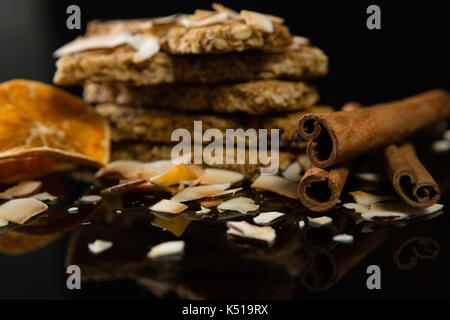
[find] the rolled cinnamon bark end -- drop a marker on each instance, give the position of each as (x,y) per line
(340,136)
(411,180)
(319,190)
(322,141)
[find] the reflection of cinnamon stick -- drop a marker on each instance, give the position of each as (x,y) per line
(340,136)
(326,267)
(410,178)
(320,189)
(409,245)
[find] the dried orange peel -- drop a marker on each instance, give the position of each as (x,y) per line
(40,121)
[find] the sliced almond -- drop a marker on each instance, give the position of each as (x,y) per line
(319,221)
(196,169)
(44,196)
(214,19)
(267,218)
(168,248)
(98,246)
(21,210)
(21,190)
(367,199)
(215,176)
(147,46)
(391,211)
(240,204)
(103,41)
(258,20)
(343,238)
(301,224)
(292,172)
(277,185)
(175,175)
(127,169)
(244,229)
(200,192)
(169,206)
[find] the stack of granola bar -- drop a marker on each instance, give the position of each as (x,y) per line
(224,68)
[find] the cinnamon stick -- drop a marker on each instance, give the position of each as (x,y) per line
(340,136)
(320,189)
(411,180)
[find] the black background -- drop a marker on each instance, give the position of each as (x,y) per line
(408,55)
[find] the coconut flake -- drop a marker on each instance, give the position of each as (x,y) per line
(98,246)
(368,176)
(216,176)
(292,172)
(240,204)
(391,211)
(72,210)
(301,224)
(154,168)
(203,210)
(44,196)
(367,199)
(175,175)
(210,203)
(267,218)
(167,248)
(319,221)
(343,238)
(126,169)
(226,194)
(258,20)
(200,192)
(304,162)
(244,229)
(21,190)
(103,41)
(3,222)
(277,185)
(446,135)
(221,8)
(441,146)
(21,210)
(169,206)
(214,19)
(146,46)
(359,208)
(93,198)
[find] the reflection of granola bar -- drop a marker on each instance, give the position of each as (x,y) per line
(257,97)
(128,123)
(108,65)
(151,152)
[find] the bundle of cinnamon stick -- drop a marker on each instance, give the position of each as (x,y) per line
(336,139)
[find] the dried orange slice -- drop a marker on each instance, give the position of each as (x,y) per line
(40,121)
